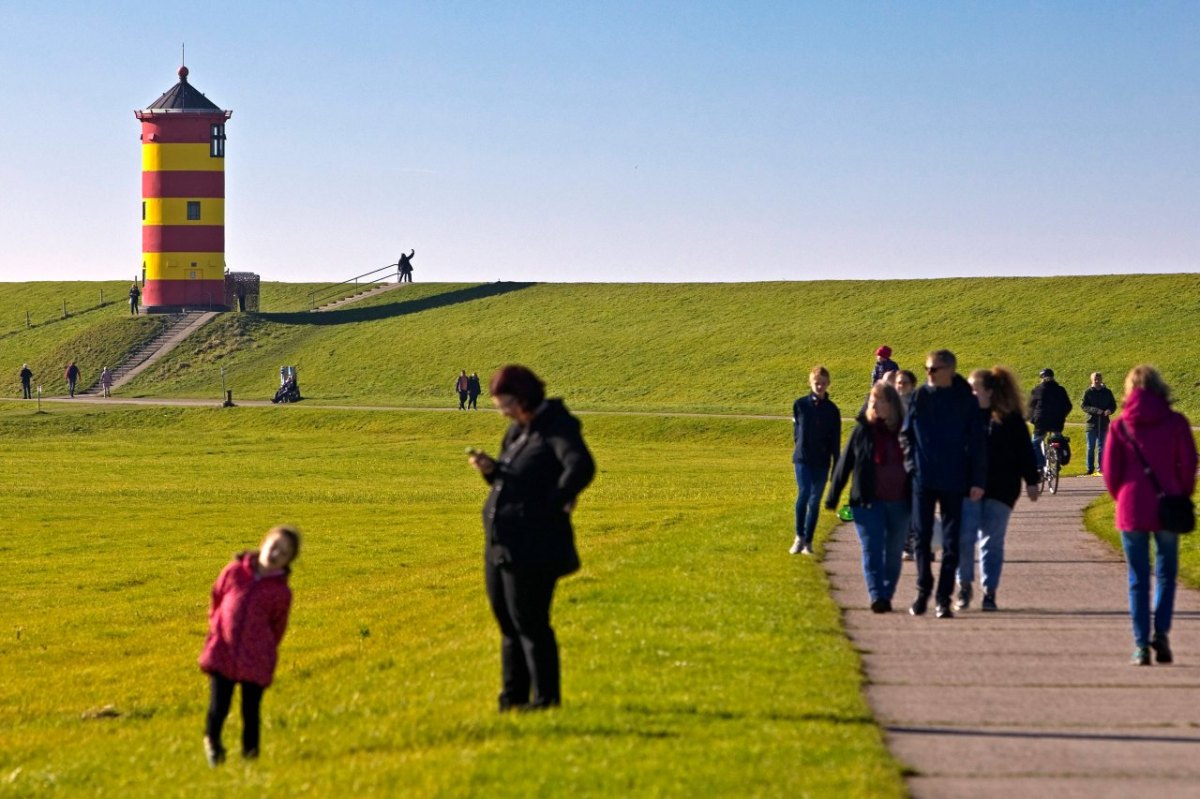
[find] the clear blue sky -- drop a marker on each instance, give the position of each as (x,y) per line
(620,141)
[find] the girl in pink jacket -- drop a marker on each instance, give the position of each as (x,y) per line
(1164,439)
(249,614)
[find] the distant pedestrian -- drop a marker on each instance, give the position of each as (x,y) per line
(462,385)
(26,380)
(1150,453)
(72,375)
(246,621)
(817,433)
(873,463)
(473,391)
(106,381)
(944,449)
(1099,404)
(1048,409)
(135,297)
(883,364)
(405,268)
(1009,461)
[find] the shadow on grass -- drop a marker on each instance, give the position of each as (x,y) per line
(741,715)
(392,309)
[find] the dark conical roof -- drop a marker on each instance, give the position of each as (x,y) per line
(183,97)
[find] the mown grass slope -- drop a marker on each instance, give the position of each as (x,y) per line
(698,658)
(742,348)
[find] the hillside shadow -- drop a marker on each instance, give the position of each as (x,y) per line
(400,308)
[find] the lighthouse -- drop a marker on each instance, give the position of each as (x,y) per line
(183,201)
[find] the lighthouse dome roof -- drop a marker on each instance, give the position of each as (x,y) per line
(183,97)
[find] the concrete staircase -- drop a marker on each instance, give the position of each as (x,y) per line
(370,291)
(179,327)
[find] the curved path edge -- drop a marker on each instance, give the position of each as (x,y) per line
(1039,698)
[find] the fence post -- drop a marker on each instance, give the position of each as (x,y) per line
(64,309)
(27,322)
(102,298)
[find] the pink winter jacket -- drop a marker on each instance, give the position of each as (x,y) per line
(247,620)
(1165,439)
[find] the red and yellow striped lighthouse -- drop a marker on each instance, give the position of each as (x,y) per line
(183,201)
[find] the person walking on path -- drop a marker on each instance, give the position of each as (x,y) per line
(543,466)
(106,381)
(873,463)
(817,433)
(72,375)
(473,391)
(135,297)
(246,622)
(1099,404)
(405,268)
(26,381)
(944,449)
(1048,409)
(462,385)
(1150,453)
(1009,459)
(883,364)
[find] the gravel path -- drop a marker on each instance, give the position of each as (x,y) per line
(1037,699)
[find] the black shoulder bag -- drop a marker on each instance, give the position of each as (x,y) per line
(1176,513)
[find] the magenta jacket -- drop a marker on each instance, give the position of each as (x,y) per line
(246,622)
(1165,438)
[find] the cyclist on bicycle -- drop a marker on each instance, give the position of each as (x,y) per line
(1049,405)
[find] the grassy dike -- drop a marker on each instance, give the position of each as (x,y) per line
(699,658)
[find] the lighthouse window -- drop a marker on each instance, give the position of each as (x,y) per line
(143,210)
(216,146)
(193,210)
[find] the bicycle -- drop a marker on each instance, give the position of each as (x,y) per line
(1052,446)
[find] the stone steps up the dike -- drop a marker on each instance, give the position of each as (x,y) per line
(179,327)
(1039,698)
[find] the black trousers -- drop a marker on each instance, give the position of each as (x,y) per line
(25,391)
(462,400)
(220,698)
(950,503)
(471,401)
(520,597)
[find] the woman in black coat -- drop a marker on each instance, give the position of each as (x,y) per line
(529,543)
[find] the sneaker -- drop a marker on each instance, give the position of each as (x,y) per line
(797,545)
(807,550)
(214,753)
(1089,472)
(920,605)
(989,603)
(880,606)
(1141,656)
(907,555)
(965,593)
(943,612)
(250,754)
(1162,649)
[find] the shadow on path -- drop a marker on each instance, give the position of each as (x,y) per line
(1058,736)
(401,308)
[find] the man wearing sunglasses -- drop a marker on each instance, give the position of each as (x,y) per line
(944,450)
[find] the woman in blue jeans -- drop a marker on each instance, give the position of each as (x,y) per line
(1149,435)
(873,463)
(1009,459)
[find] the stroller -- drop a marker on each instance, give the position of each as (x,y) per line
(289,390)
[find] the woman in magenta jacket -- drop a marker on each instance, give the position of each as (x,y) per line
(249,614)
(1165,440)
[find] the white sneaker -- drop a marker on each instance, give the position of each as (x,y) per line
(797,546)
(806,551)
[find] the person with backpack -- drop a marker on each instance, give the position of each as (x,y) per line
(1151,455)
(1099,404)
(1048,409)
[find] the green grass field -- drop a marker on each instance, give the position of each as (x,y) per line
(699,659)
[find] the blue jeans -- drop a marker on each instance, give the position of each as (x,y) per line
(882,528)
(986,522)
(950,504)
(1095,448)
(811,484)
(1166,567)
(1039,454)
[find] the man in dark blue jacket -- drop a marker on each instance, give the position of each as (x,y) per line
(945,453)
(1049,405)
(817,431)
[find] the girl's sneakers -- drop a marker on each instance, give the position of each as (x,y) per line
(1141,656)
(1162,649)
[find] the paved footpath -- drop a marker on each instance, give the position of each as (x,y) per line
(1037,699)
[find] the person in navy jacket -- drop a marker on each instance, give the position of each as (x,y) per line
(817,433)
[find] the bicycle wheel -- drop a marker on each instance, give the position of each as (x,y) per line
(1052,468)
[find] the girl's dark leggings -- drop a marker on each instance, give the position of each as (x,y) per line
(220,698)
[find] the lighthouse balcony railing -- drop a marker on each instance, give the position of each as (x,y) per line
(338,290)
